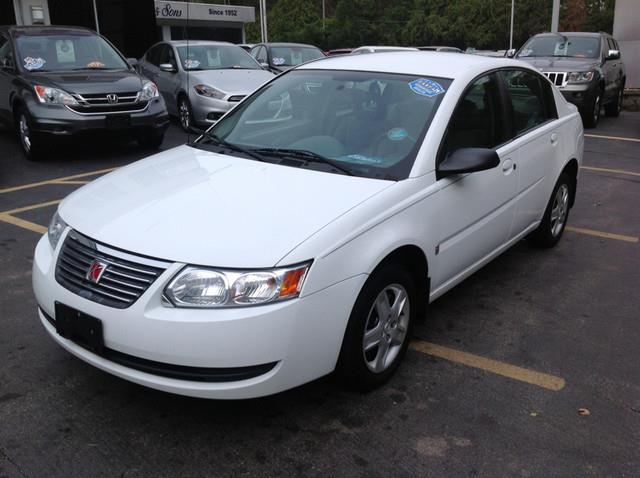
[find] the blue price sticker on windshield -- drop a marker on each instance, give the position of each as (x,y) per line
(425,87)
(397,134)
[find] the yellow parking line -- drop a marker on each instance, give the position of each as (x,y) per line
(16,221)
(550,382)
(54,180)
(32,206)
(606,170)
(616,138)
(606,235)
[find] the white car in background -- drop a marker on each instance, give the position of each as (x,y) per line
(310,227)
(379,49)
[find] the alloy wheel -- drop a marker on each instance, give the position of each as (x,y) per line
(25,136)
(386,328)
(559,209)
(596,110)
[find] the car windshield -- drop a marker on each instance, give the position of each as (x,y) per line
(215,57)
(66,52)
(562,45)
(362,123)
(293,55)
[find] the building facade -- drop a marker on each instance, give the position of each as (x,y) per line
(133,26)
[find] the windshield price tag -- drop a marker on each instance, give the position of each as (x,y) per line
(31,63)
(278,61)
(190,64)
(425,87)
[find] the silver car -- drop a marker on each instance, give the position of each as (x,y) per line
(201,80)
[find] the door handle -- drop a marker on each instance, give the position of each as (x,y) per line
(554,138)
(508,166)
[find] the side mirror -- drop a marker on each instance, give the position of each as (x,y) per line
(168,67)
(613,54)
(510,53)
(133,62)
(468,160)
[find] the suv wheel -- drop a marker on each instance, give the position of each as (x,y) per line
(613,109)
(591,113)
(29,141)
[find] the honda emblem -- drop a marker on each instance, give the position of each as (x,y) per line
(112,98)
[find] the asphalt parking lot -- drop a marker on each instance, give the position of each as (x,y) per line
(493,384)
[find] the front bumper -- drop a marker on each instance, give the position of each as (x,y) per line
(209,110)
(579,94)
(62,122)
(300,338)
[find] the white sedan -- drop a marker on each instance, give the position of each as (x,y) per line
(308,229)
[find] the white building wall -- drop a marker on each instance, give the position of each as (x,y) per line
(23,11)
(626,29)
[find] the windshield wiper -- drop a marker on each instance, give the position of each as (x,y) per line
(233,147)
(305,155)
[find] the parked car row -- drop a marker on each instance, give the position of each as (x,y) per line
(60,82)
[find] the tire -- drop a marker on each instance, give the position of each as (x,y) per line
(185,113)
(613,109)
(591,113)
(30,143)
(373,347)
(151,140)
(555,216)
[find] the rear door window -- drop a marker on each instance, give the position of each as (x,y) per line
(531,100)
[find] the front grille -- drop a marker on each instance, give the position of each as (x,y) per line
(99,103)
(236,98)
(557,78)
(122,282)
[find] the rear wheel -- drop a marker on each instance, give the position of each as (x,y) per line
(377,334)
(555,217)
(613,109)
(185,113)
(29,141)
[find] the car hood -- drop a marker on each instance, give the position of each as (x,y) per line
(233,81)
(552,63)
(91,82)
(193,206)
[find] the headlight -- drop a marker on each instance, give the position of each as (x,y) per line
(209,288)
(580,76)
(149,91)
(211,92)
(53,96)
(56,228)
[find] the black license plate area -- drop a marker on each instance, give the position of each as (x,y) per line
(118,121)
(79,327)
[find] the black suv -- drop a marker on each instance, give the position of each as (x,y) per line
(62,81)
(585,67)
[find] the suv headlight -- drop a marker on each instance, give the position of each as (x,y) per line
(53,96)
(214,288)
(580,76)
(56,228)
(209,91)
(149,91)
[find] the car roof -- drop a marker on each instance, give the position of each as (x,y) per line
(386,47)
(302,45)
(196,42)
(425,63)
(45,29)
(582,34)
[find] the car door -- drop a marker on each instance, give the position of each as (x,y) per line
(533,119)
(7,72)
(476,209)
(612,69)
(149,63)
(168,81)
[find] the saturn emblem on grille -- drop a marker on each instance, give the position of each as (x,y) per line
(96,270)
(112,98)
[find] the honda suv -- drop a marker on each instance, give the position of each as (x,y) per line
(64,81)
(585,67)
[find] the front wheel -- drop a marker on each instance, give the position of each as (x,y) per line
(29,141)
(185,113)
(555,216)
(613,109)
(591,112)
(377,334)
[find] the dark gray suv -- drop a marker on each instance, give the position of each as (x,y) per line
(585,67)
(58,82)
